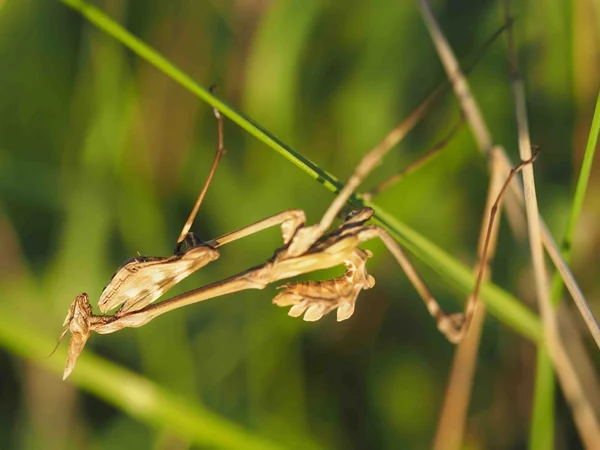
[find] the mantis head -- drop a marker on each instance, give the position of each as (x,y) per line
(79,322)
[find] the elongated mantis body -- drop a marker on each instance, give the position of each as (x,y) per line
(306,249)
(313,298)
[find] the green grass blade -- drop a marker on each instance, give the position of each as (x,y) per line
(131,393)
(580,189)
(541,433)
(543,401)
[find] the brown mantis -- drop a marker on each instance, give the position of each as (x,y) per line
(306,249)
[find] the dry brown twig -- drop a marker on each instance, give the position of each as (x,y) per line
(420,161)
(452,421)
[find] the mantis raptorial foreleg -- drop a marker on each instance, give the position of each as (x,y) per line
(289,220)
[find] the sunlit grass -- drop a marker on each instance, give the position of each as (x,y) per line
(101,194)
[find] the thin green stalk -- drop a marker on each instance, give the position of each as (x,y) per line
(580,190)
(543,403)
(541,432)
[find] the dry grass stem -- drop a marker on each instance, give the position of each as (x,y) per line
(453,416)
(429,154)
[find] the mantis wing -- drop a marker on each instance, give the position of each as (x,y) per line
(142,280)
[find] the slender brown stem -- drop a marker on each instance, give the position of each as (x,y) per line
(453,416)
(429,154)
(217,158)
(493,213)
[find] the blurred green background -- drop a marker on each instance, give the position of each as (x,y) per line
(102,156)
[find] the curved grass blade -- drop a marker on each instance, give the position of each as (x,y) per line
(134,394)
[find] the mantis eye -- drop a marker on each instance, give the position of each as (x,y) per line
(359,215)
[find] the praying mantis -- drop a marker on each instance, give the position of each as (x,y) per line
(140,281)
